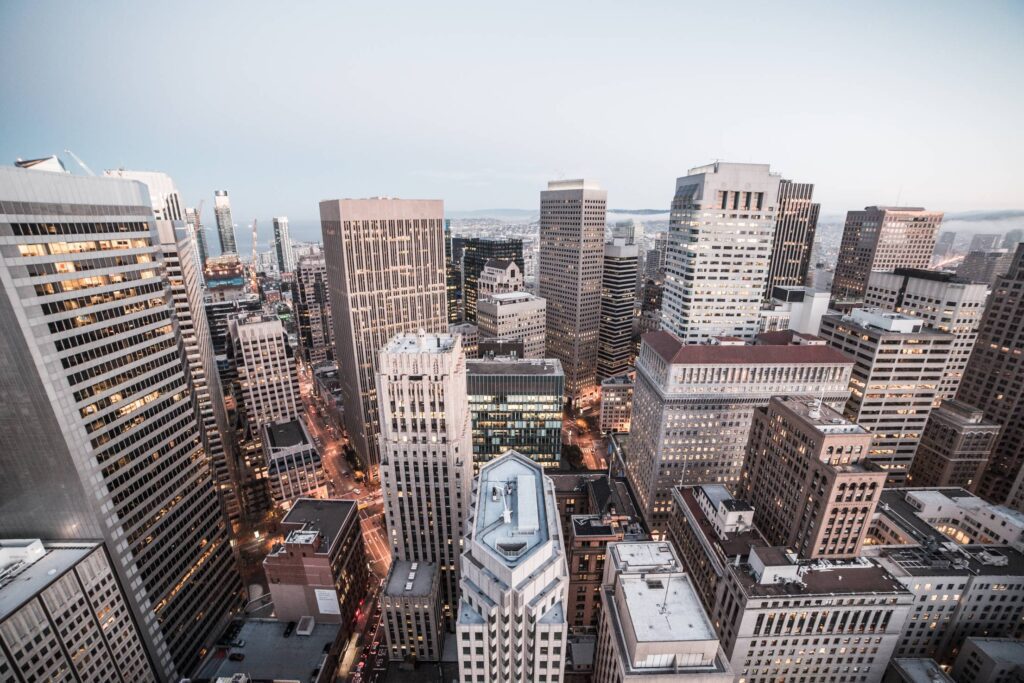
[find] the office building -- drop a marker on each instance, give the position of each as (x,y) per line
(511,617)
(412,611)
(985,242)
(955,447)
(403,292)
(452,273)
(470,334)
(294,467)
(320,569)
(652,625)
(993,383)
(989,660)
(794,308)
(426,452)
(572,220)
(225,225)
(474,254)
(943,247)
(765,601)
(64,616)
(915,670)
(693,405)
(97,378)
(499,276)
(895,382)
(501,348)
(805,478)
(985,267)
(267,376)
(942,301)
(959,557)
(1012,238)
(313,311)
(796,222)
(617,403)
(618,299)
(195,223)
(882,238)
(283,245)
(720,245)
(225,278)
(516,404)
(516,316)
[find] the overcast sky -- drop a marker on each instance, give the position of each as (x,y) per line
(479,103)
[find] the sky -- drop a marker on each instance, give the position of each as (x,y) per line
(479,104)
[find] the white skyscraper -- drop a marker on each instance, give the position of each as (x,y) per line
(515,580)
(720,243)
(426,451)
(514,315)
(283,245)
(266,370)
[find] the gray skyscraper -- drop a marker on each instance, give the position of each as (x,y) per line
(618,297)
(102,437)
(572,222)
(313,310)
(386,276)
(225,227)
(283,245)
(796,221)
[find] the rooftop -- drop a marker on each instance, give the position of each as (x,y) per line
(736,544)
(664,608)
(420,342)
(513,297)
(28,566)
(619,381)
(675,352)
(511,518)
(410,579)
(644,556)
(824,577)
(328,517)
(933,275)
(286,434)
(1005,650)
(264,645)
(786,337)
(576,184)
(882,319)
(819,415)
(920,671)
(499,263)
(514,366)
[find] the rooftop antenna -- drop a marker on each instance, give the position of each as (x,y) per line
(664,600)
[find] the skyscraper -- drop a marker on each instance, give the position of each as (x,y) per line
(313,310)
(102,437)
(943,246)
(386,276)
(572,221)
(426,452)
(193,219)
(473,257)
(985,266)
(985,242)
(994,382)
(618,298)
(512,614)
(225,226)
(795,225)
(283,245)
(720,244)
(266,370)
(882,238)
(514,315)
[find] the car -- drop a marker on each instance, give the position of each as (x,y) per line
(356,491)
(238,643)
(289,629)
(360,665)
(236,657)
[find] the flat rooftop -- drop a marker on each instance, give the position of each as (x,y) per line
(410,579)
(511,519)
(675,352)
(325,516)
(920,670)
(664,608)
(420,342)
(734,544)
(286,434)
(644,556)
(271,656)
(514,366)
(1004,650)
(25,580)
(838,578)
(618,381)
(512,297)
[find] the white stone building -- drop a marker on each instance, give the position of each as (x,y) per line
(514,315)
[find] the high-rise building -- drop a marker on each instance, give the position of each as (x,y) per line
(652,625)
(512,613)
(618,299)
(473,258)
(617,403)
(426,452)
(693,405)
(985,267)
(804,476)
(943,247)
(64,616)
(498,276)
(266,370)
(283,245)
(313,311)
(720,245)
(799,309)
(942,301)
(385,273)
(1012,238)
(412,612)
(225,225)
(895,382)
(985,242)
(994,383)
(516,404)
(453,273)
(796,222)
(955,447)
(96,378)
(294,466)
(572,220)
(882,238)
(514,315)
(193,219)
(470,334)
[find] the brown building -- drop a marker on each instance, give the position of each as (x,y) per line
(955,447)
(805,477)
(882,238)
(320,570)
(413,614)
(587,542)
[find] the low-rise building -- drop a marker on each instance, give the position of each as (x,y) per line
(617,403)
(313,650)
(412,611)
(470,338)
(294,467)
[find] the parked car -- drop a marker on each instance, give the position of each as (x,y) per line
(289,629)
(236,656)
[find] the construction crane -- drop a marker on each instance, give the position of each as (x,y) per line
(79,162)
(254,242)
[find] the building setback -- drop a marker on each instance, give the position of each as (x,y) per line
(572,222)
(720,244)
(618,298)
(955,447)
(386,276)
(313,311)
(796,223)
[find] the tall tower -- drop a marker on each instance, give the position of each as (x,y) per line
(426,452)
(225,226)
(994,382)
(572,222)
(266,370)
(882,238)
(193,219)
(386,276)
(313,310)
(515,581)
(618,297)
(102,435)
(720,244)
(796,221)
(283,245)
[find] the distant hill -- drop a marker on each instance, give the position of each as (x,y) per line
(638,212)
